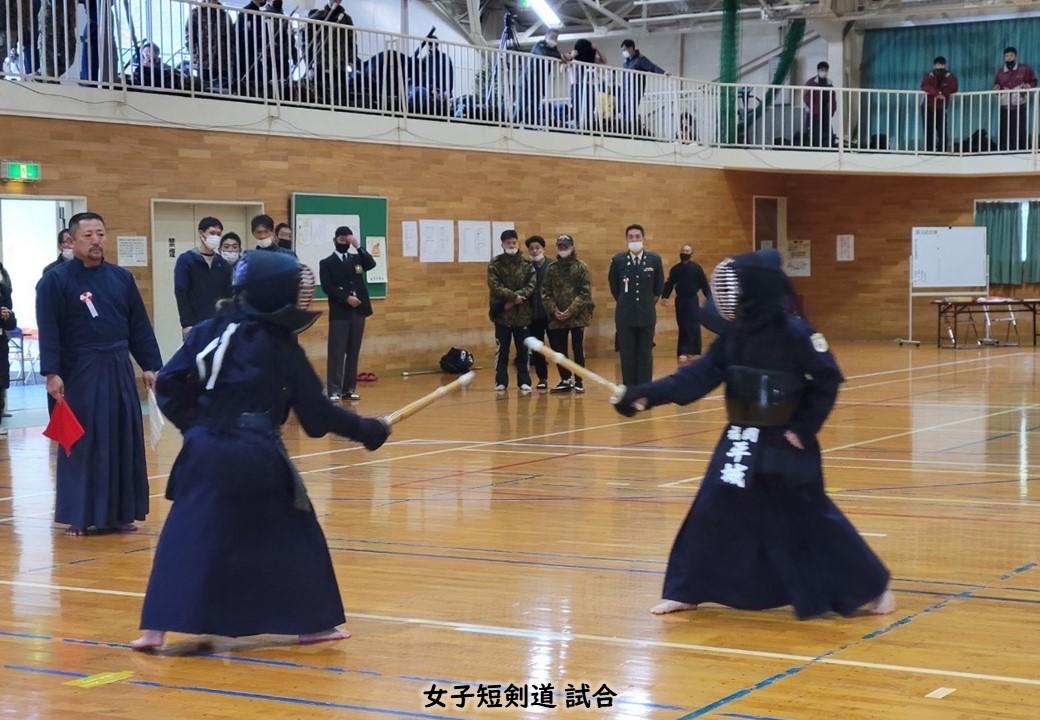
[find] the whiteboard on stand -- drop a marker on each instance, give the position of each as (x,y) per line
(948,257)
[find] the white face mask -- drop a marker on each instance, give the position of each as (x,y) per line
(211,241)
(564,253)
(626,54)
(822,74)
(230,255)
(636,247)
(510,251)
(266,242)
(550,43)
(66,253)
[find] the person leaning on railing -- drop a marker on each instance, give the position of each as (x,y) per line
(938,85)
(1017,77)
(329,52)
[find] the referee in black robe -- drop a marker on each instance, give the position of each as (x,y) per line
(687,279)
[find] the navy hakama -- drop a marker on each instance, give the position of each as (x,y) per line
(91,320)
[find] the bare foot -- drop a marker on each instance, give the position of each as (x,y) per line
(671,606)
(333,634)
(128,528)
(73,531)
(884,604)
(151,640)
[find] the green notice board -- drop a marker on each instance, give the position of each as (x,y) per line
(315,219)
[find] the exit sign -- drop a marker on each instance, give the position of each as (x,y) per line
(20,171)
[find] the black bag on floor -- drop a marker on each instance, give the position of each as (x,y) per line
(457,361)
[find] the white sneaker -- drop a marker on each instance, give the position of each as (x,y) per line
(525,388)
(333,397)
(500,388)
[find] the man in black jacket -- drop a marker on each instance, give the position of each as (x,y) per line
(201,276)
(342,277)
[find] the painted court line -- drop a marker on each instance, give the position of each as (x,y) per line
(940,693)
(630,642)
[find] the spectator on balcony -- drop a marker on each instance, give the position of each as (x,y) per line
(1015,79)
(57,36)
(632,85)
(937,85)
(150,71)
(284,54)
(432,80)
(208,35)
(819,106)
(536,80)
(583,83)
(330,52)
(252,44)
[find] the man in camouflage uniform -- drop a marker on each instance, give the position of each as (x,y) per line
(208,35)
(567,298)
(511,280)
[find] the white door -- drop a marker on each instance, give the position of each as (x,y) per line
(174,231)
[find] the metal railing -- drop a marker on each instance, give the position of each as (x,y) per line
(321,62)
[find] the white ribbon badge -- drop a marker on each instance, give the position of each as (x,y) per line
(88,298)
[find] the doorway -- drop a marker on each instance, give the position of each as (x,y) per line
(174,231)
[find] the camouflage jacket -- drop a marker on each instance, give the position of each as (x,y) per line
(208,34)
(509,276)
(568,285)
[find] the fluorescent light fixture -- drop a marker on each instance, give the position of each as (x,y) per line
(546,13)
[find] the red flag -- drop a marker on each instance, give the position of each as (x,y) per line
(64,428)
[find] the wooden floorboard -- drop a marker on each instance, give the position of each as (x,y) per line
(501,538)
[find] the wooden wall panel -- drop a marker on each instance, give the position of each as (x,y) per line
(433,306)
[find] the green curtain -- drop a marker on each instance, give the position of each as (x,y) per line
(1003,223)
(1031,272)
(897,59)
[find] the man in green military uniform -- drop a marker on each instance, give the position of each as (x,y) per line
(567,298)
(511,281)
(636,281)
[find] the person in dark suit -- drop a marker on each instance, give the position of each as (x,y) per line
(342,277)
(636,281)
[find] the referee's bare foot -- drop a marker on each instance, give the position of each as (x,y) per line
(127,528)
(671,606)
(151,640)
(326,636)
(884,604)
(73,531)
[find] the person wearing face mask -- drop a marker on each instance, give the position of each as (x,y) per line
(283,233)
(567,297)
(937,85)
(536,79)
(262,228)
(687,278)
(539,326)
(633,85)
(64,250)
(1013,78)
(636,279)
(342,276)
(201,277)
(511,281)
(231,248)
(819,106)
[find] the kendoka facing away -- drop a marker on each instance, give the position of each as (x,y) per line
(241,552)
(762,532)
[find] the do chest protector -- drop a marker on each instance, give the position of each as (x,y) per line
(764,398)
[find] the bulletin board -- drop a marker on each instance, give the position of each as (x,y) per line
(315,219)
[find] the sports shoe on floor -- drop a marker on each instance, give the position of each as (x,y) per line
(563,386)
(334,397)
(579,387)
(542,385)
(525,388)
(500,388)
(353,396)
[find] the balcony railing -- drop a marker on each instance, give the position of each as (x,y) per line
(219,52)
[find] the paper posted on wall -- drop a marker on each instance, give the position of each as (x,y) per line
(156,421)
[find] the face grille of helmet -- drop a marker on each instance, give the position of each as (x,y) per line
(307,284)
(725,289)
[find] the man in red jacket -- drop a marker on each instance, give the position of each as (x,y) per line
(1016,79)
(937,85)
(819,106)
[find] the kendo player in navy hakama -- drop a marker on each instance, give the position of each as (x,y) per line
(762,532)
(242,552)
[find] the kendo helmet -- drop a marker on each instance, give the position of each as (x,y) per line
(752,280)
(275,287)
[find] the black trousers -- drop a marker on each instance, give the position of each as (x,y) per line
(689,322)
(558,342)
(539,328)
(636,345)
(818,131)
(1013,128)
(935,129)
(344,348)
(503,336)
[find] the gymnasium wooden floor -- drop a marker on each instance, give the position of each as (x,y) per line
(521,540)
